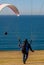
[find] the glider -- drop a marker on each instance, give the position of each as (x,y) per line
(12,7)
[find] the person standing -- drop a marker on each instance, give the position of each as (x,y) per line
(25,49)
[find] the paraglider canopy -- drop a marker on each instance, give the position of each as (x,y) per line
(12,7)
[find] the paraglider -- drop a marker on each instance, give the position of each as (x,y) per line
(12,7)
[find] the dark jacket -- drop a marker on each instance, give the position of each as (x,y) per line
(25,46)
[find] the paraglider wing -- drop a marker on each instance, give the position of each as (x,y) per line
(14,9)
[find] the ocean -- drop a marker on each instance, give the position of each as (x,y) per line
(24,26)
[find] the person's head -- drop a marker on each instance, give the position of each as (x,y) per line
(26,41)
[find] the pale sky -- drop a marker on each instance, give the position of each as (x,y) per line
(25,7)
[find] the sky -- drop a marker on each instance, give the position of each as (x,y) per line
(25,7)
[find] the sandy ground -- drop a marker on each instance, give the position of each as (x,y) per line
(15,58)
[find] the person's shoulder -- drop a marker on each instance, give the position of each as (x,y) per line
(29,44)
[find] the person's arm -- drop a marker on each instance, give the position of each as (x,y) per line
(31,48)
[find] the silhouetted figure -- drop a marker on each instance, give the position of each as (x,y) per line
(25,49)
(5,33)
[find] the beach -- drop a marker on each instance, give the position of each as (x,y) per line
(15,58)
